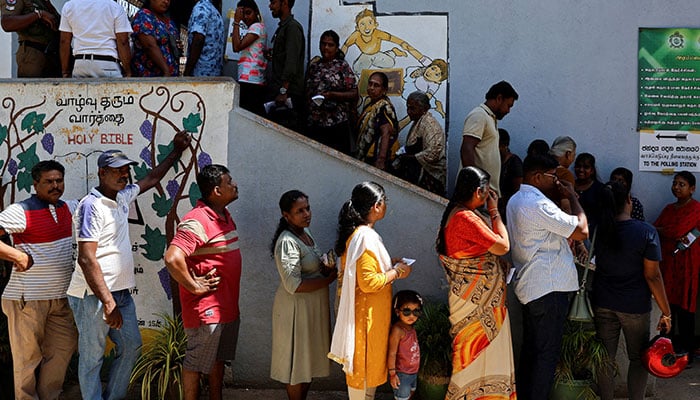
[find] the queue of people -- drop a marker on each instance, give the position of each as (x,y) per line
(98,40)
(472,237)
(552,215)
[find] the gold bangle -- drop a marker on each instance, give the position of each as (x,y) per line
(399,272)
(667,317)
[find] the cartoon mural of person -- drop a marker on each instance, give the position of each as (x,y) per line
(427,79)
(368,39)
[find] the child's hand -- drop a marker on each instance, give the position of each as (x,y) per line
(394,381)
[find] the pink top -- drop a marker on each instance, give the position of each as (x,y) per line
(408,354)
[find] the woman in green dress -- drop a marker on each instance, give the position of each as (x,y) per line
(300,313)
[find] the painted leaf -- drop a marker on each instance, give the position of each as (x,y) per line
(25,181)
(155,244)
(194,194)
(161,204)
(3,133)
(192,123)
(163,152)
(28,158)
(140,171)
(33,122)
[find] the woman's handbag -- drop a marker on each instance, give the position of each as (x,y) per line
(581,309)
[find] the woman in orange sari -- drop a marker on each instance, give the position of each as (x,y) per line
(469,244)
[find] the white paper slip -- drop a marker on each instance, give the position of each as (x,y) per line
(408,261)
(318,99)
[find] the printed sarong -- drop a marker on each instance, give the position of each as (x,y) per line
(482,352)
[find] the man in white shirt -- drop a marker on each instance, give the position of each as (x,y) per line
(480,133)
(99,292)
(545,270)
(98,31)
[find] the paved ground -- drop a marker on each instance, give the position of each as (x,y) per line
(686,386)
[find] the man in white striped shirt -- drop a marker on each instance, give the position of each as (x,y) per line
(40,322)
(546,273)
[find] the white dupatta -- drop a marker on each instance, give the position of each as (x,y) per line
(343,342)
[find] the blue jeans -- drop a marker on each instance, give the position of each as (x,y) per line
(635,327)
(92,339)
(407,385)
(543,321)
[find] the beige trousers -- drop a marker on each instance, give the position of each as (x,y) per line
(42,335)
(361,394)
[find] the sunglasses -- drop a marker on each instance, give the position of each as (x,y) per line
(407,312)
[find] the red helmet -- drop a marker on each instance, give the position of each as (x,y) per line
(660,360)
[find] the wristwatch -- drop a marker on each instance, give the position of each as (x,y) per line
(283,90)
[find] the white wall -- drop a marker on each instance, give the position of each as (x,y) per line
(266,161)
(573,63)
(7,54)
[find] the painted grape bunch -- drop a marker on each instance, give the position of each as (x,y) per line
(164,278)
(47,142)
(203,160)
(172,187)
(147,130)
(146,155)
(12,167)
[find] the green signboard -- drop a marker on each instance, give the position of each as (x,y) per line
(669,79)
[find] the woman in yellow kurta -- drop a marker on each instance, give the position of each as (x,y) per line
(361,331)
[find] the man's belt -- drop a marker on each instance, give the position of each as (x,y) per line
(42,47)
(95,57)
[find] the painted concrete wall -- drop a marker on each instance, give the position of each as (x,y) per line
(75,121)
(574,65)
(7,54)
(266,161)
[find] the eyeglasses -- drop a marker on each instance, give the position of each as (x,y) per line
(553,176)
(407,312)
